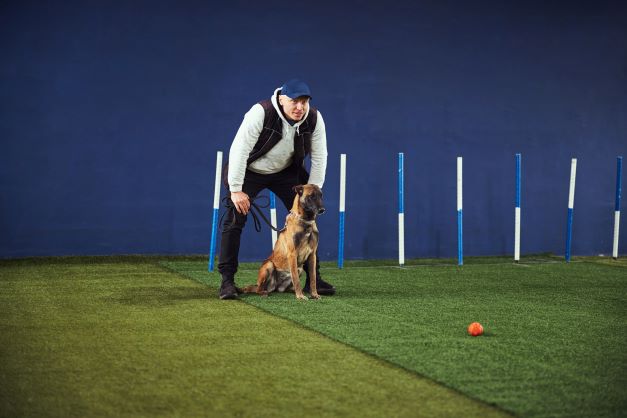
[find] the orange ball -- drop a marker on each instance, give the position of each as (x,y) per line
(475,329)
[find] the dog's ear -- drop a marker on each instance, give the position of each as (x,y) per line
(299,189)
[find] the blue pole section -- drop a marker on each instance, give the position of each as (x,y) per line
(401,181)
(518,181)
(619,175)
(340,250)
(569,233)
(460,236)
(214,228)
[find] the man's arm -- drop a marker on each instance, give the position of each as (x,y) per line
(318,153)
(242,145)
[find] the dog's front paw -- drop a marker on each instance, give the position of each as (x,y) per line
(301,297)
(315,296)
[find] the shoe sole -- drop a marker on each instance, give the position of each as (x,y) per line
(228,297)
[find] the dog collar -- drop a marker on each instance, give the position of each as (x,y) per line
(300,218)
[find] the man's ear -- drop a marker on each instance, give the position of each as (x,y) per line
(298,189)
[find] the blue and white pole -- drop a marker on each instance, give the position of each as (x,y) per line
(340,243)
(401,210)
(517,212)
(216,209)
(460,248)
(571,203)
(273,217)
(619,175)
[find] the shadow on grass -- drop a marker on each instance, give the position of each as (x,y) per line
(154,295)
(100,259)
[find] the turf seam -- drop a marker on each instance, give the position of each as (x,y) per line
(409,267)
(611,263)
(384,361)
(556,265)
(364,352)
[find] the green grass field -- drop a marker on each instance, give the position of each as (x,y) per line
(147,336)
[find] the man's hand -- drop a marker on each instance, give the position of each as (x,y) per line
(241,202)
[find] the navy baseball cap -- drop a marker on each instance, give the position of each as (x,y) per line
(295,88)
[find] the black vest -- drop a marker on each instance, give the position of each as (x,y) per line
(272,133)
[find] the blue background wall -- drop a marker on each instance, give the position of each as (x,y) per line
(111,114)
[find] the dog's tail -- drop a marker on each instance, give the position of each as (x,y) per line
(250,288)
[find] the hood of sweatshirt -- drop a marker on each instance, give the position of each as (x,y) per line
(277,106)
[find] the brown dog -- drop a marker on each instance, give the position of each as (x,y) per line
(297,243)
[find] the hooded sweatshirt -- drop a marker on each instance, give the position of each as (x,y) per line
(281,155)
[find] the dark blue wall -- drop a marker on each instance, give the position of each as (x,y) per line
(111,114)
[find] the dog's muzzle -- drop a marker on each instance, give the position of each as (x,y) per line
(314,210)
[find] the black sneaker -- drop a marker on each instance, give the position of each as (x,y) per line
(323,288)
(228,289)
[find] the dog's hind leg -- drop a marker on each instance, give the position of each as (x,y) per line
(265,272)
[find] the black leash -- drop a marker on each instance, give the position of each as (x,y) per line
(253,207)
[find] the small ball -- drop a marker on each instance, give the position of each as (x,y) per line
(475,329)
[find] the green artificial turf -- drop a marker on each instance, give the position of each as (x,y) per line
(555,340)
(124,337)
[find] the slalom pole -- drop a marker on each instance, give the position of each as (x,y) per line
(619,174)
(401,210)
(571,203)
(517,212)
(460,249)
(216,209)
(273,217)
(340,243)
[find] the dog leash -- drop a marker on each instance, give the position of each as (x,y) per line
(253,207)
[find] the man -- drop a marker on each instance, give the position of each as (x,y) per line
(269,152)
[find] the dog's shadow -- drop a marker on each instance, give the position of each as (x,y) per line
(157,295)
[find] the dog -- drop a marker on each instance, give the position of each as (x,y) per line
(297,242)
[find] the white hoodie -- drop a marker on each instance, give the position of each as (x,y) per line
(281,155)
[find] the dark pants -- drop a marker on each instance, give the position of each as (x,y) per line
(281,185)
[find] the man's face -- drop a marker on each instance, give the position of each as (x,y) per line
(295,109)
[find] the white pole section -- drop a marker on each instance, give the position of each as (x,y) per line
(571,204)
(619,172)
